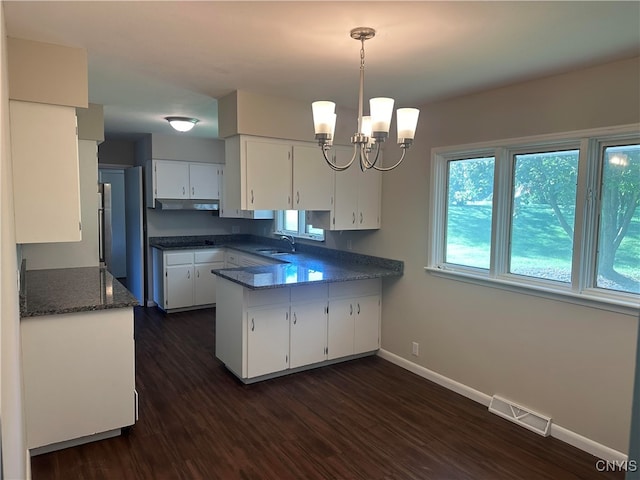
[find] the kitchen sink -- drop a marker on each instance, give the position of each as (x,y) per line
(271,251)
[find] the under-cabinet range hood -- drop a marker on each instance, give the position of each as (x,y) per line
(173,204)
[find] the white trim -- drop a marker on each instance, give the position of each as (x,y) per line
(464,390)
(518,142)
(561,433)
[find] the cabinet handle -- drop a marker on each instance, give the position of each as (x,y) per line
(360,217)
(286,359)
(184,191)
(253,325)
(193,190)
(358,308)
(354,218)
(350,309)
(198,273)
(286,315)
(297,197)
(189,274)
(295,318)
(252,195)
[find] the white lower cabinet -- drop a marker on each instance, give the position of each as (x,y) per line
(267,332)
(353,324)
(308,328)
(178,291)
(267,340)
(78,375)
(205,283)
(183,279)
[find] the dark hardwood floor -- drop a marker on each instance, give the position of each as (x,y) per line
(364,419)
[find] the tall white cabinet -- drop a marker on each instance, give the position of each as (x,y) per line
(46,172)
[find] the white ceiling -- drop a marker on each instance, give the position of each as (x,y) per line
(148,59)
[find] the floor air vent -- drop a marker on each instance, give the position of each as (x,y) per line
(520,415)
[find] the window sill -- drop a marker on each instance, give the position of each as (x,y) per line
(622,303)
(315,238)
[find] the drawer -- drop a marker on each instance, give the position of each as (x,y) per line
(306,293)
(355,288)
(209,256)
(178,258)
(270,296)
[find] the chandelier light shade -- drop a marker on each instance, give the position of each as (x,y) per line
(372,128)
(182,124)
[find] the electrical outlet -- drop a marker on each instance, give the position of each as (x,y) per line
(415,348)
(235,229)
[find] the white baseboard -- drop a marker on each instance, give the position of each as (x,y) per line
(572,438)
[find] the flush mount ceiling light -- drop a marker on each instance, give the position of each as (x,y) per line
(372,129)
(182,124)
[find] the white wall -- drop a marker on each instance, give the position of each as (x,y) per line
(570,362)
(85,252)
(14,459)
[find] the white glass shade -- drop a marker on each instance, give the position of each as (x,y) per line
(182,124)
(381,109)
(333,127)
(324,117)
(407,119)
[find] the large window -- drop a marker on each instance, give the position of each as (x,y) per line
(557,214)
(294,222)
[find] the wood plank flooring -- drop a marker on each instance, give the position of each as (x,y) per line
(361,420)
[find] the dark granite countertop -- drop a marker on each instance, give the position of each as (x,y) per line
(68,290)
(310,264)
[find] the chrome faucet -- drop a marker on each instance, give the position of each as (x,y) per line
(291,240)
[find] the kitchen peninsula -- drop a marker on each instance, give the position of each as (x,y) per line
(78,356)
(279,312)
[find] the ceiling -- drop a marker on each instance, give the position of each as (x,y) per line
(148,60)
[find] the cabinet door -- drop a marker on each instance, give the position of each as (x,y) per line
(172,179)
(346,192)
(312,179)
(46,173)
(267,340)
(367,323)
(340,328)
(268,175)
(369,195)
(203,181)
(205,283)
(178,286)
(308,334)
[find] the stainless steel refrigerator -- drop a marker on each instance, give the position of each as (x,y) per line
(105,231)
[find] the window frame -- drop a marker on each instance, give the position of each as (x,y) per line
(302,227)
(582,288)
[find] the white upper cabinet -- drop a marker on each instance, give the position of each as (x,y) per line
(268,167)
(269,174)
(204,181)
(46,173)
(312,179)
(185,180)
(356,197)
(171,179)
(237,212)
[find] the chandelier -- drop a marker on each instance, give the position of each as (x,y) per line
(373,129)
